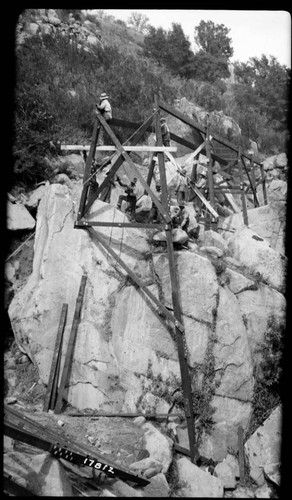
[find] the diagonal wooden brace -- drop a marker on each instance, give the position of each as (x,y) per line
(136,279)
(120,148)
(118,161)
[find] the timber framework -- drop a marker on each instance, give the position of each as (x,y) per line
(237,175)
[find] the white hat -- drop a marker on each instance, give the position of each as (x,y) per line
(103,96)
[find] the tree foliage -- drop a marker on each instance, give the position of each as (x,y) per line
(155,45)
(170,48)
(213,39)
(139,22)
(267,81)
(209,68)
(57,86)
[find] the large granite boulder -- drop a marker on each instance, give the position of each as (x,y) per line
(62,255)
(257,258)
(263,448)
(195,482)
(125,357)
(18,217)
(217,120)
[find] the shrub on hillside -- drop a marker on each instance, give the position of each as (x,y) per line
(58,85)
(268,375)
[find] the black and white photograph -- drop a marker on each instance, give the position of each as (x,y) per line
(145,340)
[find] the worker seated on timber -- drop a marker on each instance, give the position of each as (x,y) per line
(154,214)
(93,184)
(143,208)
(105,195)
(202,180)
(201,184)
(156,173)
(165,132)
(105,109)
(130,196)
(175,216)
(188,222)
(182,186)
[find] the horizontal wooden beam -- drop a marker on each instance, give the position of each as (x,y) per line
(125,415)
(85,223)
(134,168)
(157,149)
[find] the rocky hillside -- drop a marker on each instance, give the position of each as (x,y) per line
(232,293)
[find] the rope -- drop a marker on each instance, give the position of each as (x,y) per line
(20,246)
(121,243)
(114,211)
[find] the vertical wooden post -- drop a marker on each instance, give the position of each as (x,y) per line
(87,170)
(117,163)
(194,171)
(252,177)
(52,387)
(70,346)
(212,222)
(150,171)
(263,176)
(243,199)
(181,344)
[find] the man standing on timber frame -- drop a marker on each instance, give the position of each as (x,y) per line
(105,109)
(182,186)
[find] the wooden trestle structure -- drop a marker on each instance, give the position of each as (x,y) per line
(210,145)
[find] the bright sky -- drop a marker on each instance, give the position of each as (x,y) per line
(253,32)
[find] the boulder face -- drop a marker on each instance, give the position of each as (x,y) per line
(258,258)
(18,217)
(125,356)
(217,119)
(263,448)
(268,221)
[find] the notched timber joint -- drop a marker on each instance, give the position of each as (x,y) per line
(179,326)
(81,223)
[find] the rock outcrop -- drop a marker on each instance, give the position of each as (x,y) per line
(125,359)
(263,448)
(268,221)
(42,475)
(18,217)
(196,482)
(47,22)
(218,120)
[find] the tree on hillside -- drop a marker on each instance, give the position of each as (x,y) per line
(180,57)
(170,48)
(138,22)
(270,82)
(214,39)
(208,68)
(156,45)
